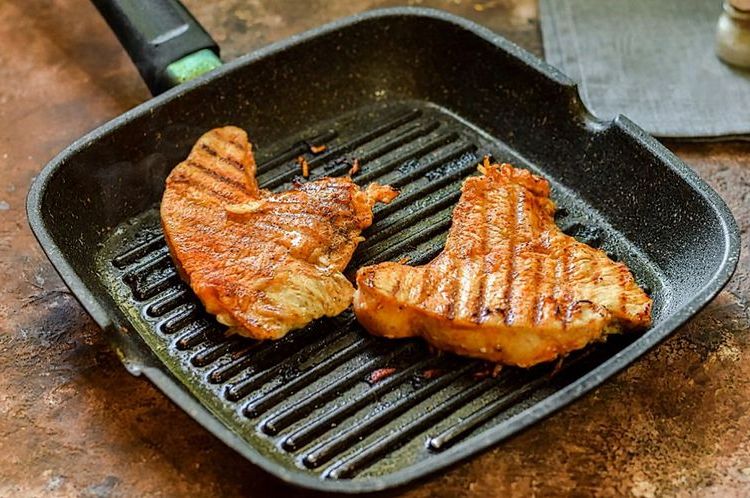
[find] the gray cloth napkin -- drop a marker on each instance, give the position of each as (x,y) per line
(651,60)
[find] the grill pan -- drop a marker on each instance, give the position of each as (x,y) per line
(419,96)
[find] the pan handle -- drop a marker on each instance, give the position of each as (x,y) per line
(166,43)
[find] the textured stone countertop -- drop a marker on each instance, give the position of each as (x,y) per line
(73,422)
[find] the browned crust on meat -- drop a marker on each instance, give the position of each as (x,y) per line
(264,263)
(509,286)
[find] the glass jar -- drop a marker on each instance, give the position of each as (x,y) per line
(733,33)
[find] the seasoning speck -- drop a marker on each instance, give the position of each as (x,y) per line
(380,374)
(484,372)
(432,373)
(557,368)
(304,166)
(4,206)
(355,167)
(496,370)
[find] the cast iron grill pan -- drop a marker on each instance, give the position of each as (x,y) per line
(313,398)
(395,89)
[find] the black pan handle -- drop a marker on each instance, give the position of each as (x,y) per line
(166,43)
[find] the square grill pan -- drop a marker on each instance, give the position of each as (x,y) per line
(418,96)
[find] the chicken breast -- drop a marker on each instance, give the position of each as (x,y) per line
(263,263)
(509,287)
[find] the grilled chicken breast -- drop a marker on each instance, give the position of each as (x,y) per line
(509,287)
(263,263)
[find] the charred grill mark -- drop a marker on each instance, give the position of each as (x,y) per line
(238,145)
(539,312)
(288,202)
(208,149)
(326,208)
(536,289)
(230,139)
(557,285)
(480,303)
(206,188)
(451,291)
(565,297)
(538,266)
(426,287)
(308,217)
(224,158)
(223,179)
(513,200)
(315,227)
(529,283)
(340,189)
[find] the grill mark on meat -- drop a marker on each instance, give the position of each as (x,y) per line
(480,302)
(557,286)
(536,289)
(521,302)
(230,139)
(303,216)
(332,203)
(226,159)
(312,188)
(228,181)
(334,195)
(453,289)
(286,201)
(537,244)
(205,188)
(426,288)
(513,199)
(304,208)
(291,206)
(236,144)
(565,298)
(452,283)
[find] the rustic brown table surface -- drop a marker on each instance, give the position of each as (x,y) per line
(73,422)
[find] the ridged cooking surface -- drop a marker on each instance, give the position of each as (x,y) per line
(329,399)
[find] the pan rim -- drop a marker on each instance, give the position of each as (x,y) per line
(472,445)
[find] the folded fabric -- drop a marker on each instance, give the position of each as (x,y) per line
(652,61)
